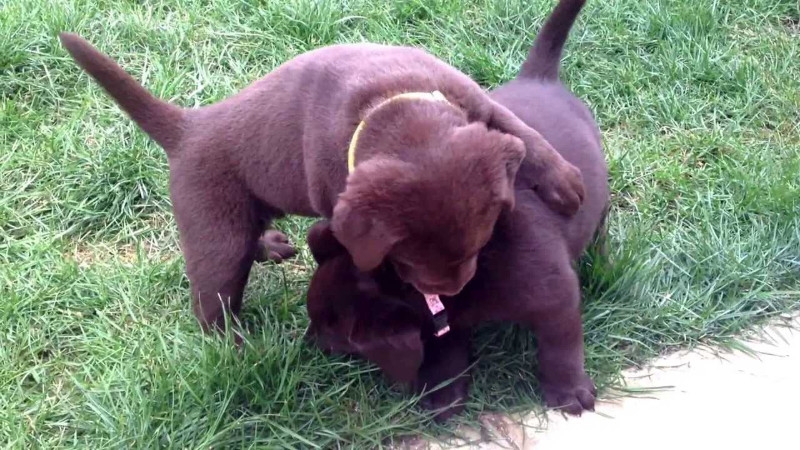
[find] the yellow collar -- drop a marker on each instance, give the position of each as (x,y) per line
(434,96)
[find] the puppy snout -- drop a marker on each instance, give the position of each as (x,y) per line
(448,289)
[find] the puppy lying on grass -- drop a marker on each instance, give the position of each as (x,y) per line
(525,274)
(410,159)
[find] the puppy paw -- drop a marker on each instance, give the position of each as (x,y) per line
(571,398)
(448,400)
(562,188)
(274,246)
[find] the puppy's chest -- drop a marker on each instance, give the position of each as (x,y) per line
(467,312)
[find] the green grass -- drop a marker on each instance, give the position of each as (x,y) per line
(699,103)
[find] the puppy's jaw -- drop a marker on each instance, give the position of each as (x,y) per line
(449,287)
(430,274)
(437,291)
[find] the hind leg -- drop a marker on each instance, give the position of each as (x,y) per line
(548,301)
(219,232)
(274,246)
(556,321)
(446,358)
(545,296)
(527,277)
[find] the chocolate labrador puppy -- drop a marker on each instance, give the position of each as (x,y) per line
(410,159)
(525,274)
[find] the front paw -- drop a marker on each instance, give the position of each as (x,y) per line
(562,188)
(447,400)
(570,397)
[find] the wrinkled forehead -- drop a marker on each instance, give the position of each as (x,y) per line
(444,242)
(448,210)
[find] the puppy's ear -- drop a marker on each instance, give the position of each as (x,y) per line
(323,243)
(399,355)
(512,152)
(368,239)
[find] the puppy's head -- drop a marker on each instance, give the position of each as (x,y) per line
(353,313)
(430,213)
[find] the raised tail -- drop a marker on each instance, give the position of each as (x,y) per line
(162,121)
(544,58)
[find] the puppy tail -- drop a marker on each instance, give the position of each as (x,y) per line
(162,121)
(544,58)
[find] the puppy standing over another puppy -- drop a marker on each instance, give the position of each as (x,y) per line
(525,273)
(435,164)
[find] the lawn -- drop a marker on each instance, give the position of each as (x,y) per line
(698,101)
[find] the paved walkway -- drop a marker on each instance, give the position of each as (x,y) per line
(708,400)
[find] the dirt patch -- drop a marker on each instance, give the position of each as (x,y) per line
(87,255)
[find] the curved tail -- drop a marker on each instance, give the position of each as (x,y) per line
(162,121)
(544,58)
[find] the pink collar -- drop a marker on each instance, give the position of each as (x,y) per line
(436,307)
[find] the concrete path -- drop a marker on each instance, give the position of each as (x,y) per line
(704,399)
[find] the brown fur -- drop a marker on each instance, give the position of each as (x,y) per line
(430,183)
(525,274)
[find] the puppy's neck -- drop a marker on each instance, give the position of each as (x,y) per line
(387,98)
(391,124)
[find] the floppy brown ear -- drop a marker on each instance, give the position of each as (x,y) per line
(399,355)
(367,239)
(512,152)
(323,243)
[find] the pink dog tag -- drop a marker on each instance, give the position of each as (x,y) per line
(436,307)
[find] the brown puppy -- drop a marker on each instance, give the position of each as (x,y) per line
(525,274)
(433,170)
(374,314)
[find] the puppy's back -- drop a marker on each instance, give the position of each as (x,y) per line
(539,99)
